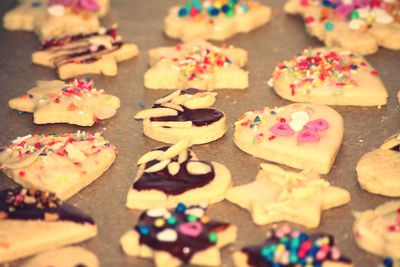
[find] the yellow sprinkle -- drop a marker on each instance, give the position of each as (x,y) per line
(159,222)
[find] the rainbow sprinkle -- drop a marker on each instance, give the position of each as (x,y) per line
(214,8)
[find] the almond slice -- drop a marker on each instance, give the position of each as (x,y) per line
(174,150)
(149,156)
(158,167)
(155,112)
(173,106)
(173,168)
(200,102)
(198,168)
(168,97)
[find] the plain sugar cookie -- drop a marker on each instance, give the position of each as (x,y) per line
(215,20)
(277,195)
(172,174)
(303,136)
(181,236)
(378,231)
(378,171)
(197,64)
(59,163)
(330,76)
(33,221)
(184,114)
(74,102)
(286,246)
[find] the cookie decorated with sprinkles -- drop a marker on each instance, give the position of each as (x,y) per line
(74,102)
(286,246)
(378,171)
(358,26)
(184,235)
(172,174)
(197,64)
(96,52)
(51,18)
(377,231)
(215,19)
(302,136)
(33,221)
(277,195)
(330,76)
(184,114)
(60,163)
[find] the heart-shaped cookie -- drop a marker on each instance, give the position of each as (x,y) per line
(298,135)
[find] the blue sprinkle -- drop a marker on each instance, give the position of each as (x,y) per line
(142,104)
(30,96)
(180,208)
(303,237)
(183,12)
(144,230)
(213,11)
(273,112)
(225,8)
(21,112)
(257,119)
(354,67)
(388,262)
(2,149)
(36,4)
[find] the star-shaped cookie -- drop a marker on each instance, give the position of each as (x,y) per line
(277,195)
(197,64)
(59,163)
(74,102)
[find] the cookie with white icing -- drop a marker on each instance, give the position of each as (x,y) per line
(91,53)
(75,102)
(303,136)
(197,64)
(184,235)
(172,174)
(378,171)
(64,257)
(215,20)
(51,18)
(33,221)
(330,76)
(184,114)
(286,247)
(377,231)
(358,26)
(63,164)
(277,195)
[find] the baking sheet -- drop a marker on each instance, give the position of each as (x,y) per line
(141,22)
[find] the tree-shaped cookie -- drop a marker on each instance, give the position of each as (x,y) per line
(172,174)
(214,20)
(74,102)
(303,136)
(330,76)
(185,235)
(379,170)
(287,247)
(96,52)
(277,195)
(184,114)
(51,18)
(59,163)
(358,26)
(196,64)
(32,221)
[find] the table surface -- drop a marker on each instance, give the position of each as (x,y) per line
(141,22)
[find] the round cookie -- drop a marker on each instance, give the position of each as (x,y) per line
(330,76)
(378,171)
(184,114)
(378,231)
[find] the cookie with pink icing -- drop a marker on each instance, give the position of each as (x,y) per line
(298,135)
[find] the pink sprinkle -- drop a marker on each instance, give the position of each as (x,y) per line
(19,198)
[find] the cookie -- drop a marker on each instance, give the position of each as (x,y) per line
(277,195)
(298,135)
(378,171)
(56,17)
(184,114)
(172,174)
(358,26)
(33,221)
(74,102)
(96,52)
(185,235)
(64,257)
(286,246)
(63,164)
(197,64)
(378,231)
(214,20)
(330,76)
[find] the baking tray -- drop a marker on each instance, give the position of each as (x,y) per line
(141,22)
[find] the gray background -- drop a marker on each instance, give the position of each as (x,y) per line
(141,22)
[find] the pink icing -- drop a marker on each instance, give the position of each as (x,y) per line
(318,125)
(308,136)
(91,5)
(192,229)
(282,128)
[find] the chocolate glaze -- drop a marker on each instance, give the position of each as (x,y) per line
(17,209)
(173,185)
(396,148)
(193,244)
